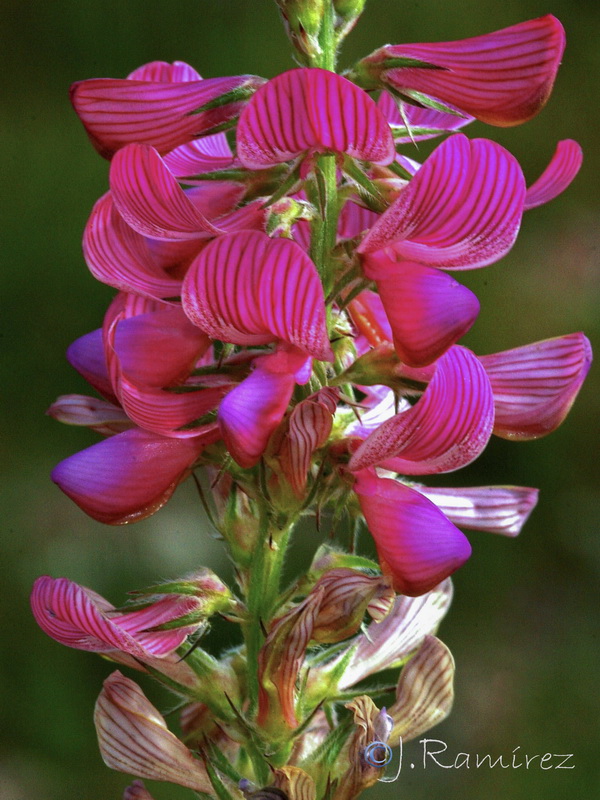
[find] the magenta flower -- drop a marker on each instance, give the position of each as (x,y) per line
(502,78)
(78,617)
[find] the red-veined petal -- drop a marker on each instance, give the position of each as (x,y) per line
(494,509)
(311,111)
(446,429)
(558,175)
(461,210)
(535,385)
(503,78)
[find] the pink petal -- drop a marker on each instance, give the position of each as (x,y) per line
(355,219)
(427,309)
(425,123)
(86,355)
(200,156)
(69,614)
(251,412)
(129,476)
(462,209)
(163,71)
(149,198)
(369,316)
(159,348)
(495,509)
(502,78)
(249,289)
(120,257)
(310,424)
(557,176)
(311,111)
(446,429)
(140,622)
(535,385)
(158,113)
(417,546)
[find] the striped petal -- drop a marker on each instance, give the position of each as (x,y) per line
(558,175)
(427,309)
(129,476)
(461,210)
(503,78)
(535,385)
(425,692)
(149,198)
(387,643)
(418,547)
(163,114)
(99,415)
(309,426)
(494,509)
(120,257)
(423,123)
(133,737)
(446,429)
(79,618)
(163,71)
(311,111)
(249,289)
(251,412)
(199,156)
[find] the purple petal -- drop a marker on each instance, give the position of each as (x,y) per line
(535,385)
(494,509)
(120,257)
(86,355)
(149,198)
(200,156)
(502,78)
(251,412)
(129,476)
(157,113)
(165,72)
(249,289)
(355,219)
(427,309)
(311,111)
(417,546)
(557,176)
(435,123)
(462,209)
(446,429)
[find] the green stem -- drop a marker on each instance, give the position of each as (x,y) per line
(327,39)
(263,590)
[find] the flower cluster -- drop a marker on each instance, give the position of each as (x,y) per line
(287,319)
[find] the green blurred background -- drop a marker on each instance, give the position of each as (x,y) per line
(524,625)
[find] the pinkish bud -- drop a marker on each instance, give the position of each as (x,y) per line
(134,738)
(137,791)
(346,595)
(211,594)
(302,20)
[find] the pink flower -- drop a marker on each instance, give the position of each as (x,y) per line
(78,617)
(502,78)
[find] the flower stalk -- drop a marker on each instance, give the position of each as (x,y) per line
(287,322)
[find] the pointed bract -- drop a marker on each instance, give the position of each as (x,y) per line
(307,111)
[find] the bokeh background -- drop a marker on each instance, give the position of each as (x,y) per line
(524,626)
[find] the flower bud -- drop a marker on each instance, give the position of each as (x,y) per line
(134,738)
(137,791)
(347,595)
(347,13)
(302,20)
(211,594)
